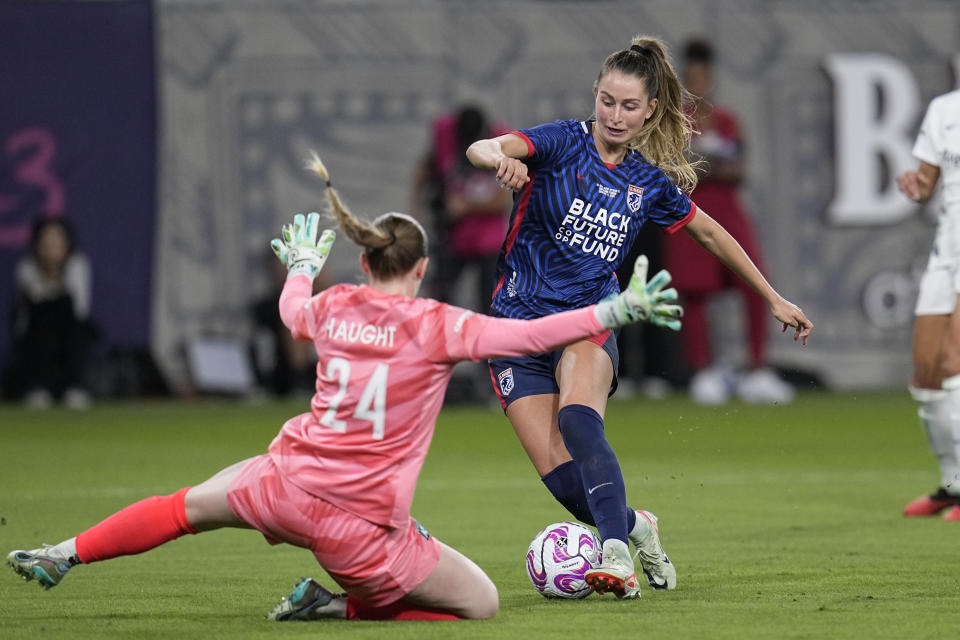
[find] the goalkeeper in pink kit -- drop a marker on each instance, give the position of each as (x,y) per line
(339,480)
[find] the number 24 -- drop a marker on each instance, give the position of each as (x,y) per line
(372,405)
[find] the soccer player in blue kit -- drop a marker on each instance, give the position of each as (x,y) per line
(584,190)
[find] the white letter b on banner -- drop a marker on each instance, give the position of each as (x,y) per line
(875,117)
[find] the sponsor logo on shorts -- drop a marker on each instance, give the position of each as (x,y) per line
(505,378)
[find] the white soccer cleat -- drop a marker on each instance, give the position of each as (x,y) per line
(615,573)
(43,564)
(645,536)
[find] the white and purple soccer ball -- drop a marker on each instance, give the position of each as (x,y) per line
(559,558)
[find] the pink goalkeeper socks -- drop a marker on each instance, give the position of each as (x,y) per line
(135,529)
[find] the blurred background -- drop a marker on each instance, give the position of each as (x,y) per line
(171,136)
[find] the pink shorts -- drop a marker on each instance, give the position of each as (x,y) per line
(376,564)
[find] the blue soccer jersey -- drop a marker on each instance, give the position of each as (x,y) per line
(575,221)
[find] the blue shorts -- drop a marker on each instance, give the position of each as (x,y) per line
(523,376)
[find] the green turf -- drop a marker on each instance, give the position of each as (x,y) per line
(784,522)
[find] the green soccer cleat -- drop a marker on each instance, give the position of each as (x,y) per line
(309,600)
(40,564)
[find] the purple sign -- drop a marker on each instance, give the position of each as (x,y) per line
(78,140)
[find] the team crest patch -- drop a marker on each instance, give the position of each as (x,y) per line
(634,197)
(505,378)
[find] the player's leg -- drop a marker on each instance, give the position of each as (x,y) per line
(528,391)
(933,408)
(458,586)
(950,372)
(584,375)
(135,529)
(935,303)
(456,589)
(390,573)
(534,419)
(206,505)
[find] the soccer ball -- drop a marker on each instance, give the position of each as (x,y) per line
(560,556)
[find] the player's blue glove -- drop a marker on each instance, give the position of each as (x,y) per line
(299,250)
(642,301)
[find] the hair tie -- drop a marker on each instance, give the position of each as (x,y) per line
(638,48)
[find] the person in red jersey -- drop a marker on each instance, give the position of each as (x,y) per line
(339,479)
(698,276)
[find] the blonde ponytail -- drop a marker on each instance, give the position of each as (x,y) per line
(393,242)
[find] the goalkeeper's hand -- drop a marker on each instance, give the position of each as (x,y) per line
(299,250)
(642,301)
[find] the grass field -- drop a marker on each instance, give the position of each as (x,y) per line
(783,522)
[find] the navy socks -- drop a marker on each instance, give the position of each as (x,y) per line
(602,481)
(566,485)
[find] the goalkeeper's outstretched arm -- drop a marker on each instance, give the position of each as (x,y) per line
(304,255)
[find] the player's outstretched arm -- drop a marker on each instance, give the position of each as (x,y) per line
(472,336)
(642,301)
(715,239)
(299,250)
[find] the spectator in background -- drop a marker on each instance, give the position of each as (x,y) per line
(655,365)
(469,214)
(696,274)
(52,332)
(469,209)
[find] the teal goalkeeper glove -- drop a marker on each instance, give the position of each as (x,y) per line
(642,301)
(299,250)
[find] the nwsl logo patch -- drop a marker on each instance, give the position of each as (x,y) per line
(634,197)
(505,378)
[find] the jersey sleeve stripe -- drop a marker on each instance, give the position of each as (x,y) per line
(680,224)
(498,287)
(521,212)
(530,147)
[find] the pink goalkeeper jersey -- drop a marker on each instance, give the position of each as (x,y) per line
(384,364)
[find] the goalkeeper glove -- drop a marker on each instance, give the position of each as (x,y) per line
(299,250)
(642,301)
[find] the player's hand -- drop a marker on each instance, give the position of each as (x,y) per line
(299,250)
(511,173)
(918,185)
(909,184)
(792,316)
(642,301)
